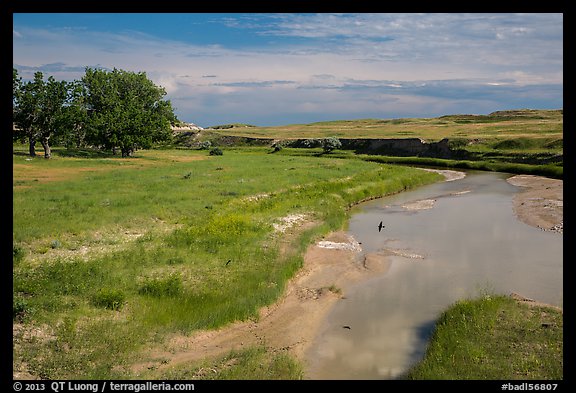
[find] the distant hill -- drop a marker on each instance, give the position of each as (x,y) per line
(501,124)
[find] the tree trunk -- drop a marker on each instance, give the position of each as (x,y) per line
(46,146)
(32,147)
(126,152)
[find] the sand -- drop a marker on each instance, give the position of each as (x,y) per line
(540,202)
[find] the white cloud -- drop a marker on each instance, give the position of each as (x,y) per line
(338,65)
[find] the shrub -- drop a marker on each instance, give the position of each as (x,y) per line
(175,261)
(20,309)
(216,152)
(309,143)
(111,299)
(205,145)
(162,286)
(331,143)
(17,253)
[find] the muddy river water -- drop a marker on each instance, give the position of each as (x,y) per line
(440,243)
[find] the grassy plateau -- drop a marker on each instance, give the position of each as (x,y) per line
(502,124)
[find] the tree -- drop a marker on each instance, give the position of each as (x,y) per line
(25,107)
(38,110)
(125,110)
(75,117)
(16,84)
(331,143)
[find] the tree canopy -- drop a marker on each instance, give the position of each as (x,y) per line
(106,109)
(126,110)
(38,109)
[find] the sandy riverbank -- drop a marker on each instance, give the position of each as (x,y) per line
(540,203)
(291,323)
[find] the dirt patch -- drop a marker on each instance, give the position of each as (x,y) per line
(36,335)
(29,173)
(531,302)
(448,174)
(288,222)
(540,203)
(348,244)
(186,158)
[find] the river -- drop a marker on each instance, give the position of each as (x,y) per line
(442,242)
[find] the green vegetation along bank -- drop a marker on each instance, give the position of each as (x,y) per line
(495,337)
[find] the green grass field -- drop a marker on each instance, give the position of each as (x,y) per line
(111,255)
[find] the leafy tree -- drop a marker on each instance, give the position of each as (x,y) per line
(25,108)
(331,143)
(16,84)
(125,110)
(75,117)
(38,110)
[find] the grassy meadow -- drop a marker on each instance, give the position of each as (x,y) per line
(111,254)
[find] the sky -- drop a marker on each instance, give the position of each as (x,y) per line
(278,69)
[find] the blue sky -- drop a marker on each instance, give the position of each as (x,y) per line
(276,69)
